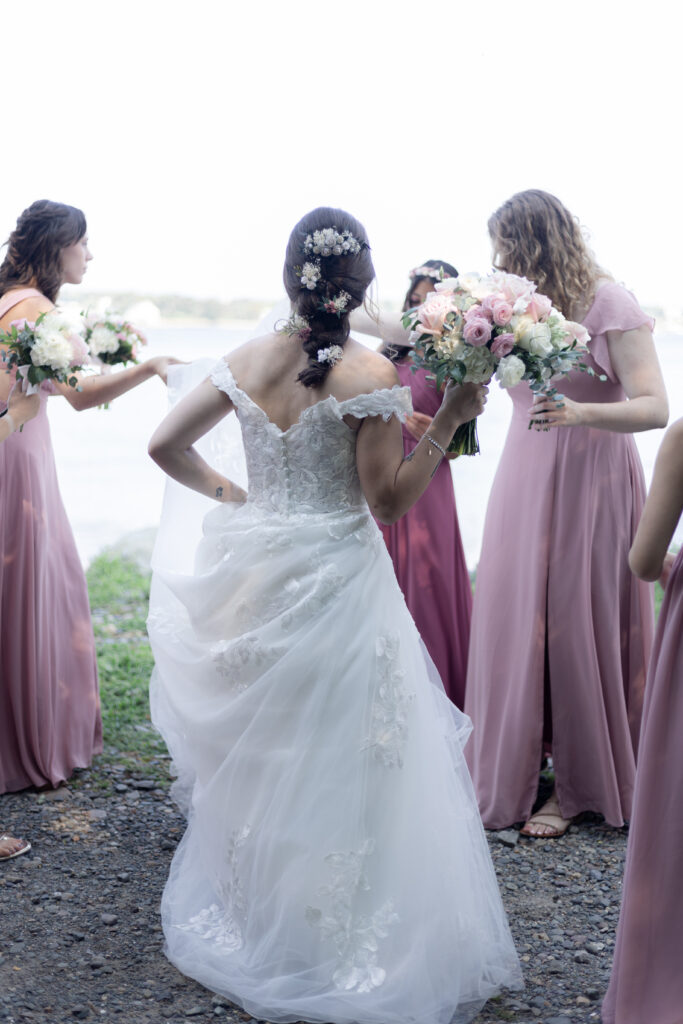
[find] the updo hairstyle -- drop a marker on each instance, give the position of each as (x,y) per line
(348,274)
(34,247)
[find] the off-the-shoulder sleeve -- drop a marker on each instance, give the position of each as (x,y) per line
(221,376)
(614,309)
(387,402)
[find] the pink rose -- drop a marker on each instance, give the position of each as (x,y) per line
(477,331)
(501,311)
(79,350)
(20,324)
(539,307)
(502,345)
(478,312)
(433,312)
(121,336)
(576,332)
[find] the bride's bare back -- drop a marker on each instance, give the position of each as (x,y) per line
(267,369)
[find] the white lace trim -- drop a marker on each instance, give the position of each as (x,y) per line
(221,924)
(355,936)
(384,402)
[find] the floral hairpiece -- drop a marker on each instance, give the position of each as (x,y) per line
(330,355)
(295,324)
(336,305)
(330,242)
(436,273)
(310,275)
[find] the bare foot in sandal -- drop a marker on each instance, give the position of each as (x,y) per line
(547,822)
(11,847)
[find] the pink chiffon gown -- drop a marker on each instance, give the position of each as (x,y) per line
(561,630)
(429,561)
(49,701)
(647,981)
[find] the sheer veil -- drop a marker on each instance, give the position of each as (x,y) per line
(183,510)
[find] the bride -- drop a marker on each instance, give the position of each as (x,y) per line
(334,867)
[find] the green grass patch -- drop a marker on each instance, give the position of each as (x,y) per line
(119,599)
(116,584)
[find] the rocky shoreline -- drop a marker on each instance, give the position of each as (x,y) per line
(80,913)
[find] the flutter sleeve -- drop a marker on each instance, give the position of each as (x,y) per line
(386,402)
(614,309)
(222,378)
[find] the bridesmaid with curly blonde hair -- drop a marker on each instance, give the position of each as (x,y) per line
(561,631)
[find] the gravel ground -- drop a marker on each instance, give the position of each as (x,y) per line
(79,915)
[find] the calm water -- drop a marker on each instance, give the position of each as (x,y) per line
(111,487)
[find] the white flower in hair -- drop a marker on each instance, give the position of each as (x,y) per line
(330,355)
(330,242)
(310,275)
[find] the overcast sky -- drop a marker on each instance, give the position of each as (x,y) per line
(194,135)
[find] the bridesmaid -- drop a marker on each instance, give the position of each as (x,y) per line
(561,632)
(49,702)
(425,544)
(646,982)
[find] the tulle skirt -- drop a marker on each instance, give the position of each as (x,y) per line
(334,867)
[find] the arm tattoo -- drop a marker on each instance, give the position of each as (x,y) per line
(219,492)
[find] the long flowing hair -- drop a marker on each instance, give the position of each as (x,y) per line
(534,235)
(34,248)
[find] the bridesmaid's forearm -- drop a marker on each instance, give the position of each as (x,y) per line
(629,417)
(102,388)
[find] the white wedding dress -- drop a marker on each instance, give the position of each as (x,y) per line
(334,868)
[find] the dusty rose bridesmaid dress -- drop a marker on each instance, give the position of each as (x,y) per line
(647,981)
(49,701)
(429,561)
(559,622)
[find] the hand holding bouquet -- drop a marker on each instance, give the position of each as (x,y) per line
(47,349)
(472,327)
(112,340)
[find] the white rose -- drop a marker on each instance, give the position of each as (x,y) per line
(102,340)
(480,363)
(535,338)
(52,321)
(510,371)
(53,349)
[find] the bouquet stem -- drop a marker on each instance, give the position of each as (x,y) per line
(465,440)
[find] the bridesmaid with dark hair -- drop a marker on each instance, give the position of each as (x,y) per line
(49,702)
(646,982)
(561,632)
(425,544)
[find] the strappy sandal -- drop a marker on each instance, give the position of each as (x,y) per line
(23,848)
(550,821)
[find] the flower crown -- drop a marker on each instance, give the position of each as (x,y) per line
(436,273)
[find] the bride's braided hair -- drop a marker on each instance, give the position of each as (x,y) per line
(34,247)
(348,274)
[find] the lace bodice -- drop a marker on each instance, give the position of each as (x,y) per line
(311,466)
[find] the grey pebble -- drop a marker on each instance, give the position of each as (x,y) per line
(108,918)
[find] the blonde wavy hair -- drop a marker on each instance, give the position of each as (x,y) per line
(535,236)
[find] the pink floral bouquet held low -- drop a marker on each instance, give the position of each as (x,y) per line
(44,350)
(473,327)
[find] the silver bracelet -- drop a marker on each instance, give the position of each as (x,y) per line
(436,444)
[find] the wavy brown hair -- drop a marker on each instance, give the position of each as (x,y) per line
(351,274)
(34,248)
(534,235)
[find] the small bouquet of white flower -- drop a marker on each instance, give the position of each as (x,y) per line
(47,349)
(112,340)
(472,327)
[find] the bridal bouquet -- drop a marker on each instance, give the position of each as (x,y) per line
(474,326)
(112,340)
(47,349)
